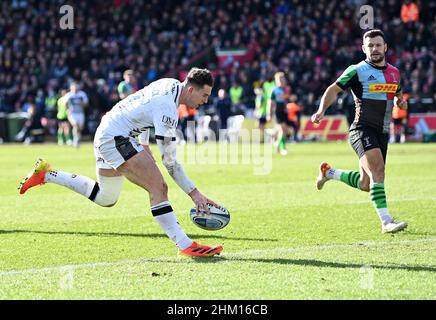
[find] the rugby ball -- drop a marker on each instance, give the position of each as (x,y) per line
(217,219)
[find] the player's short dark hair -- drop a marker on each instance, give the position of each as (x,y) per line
(374,33)
(128,72)
(199,77)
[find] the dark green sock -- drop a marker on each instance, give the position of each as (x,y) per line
(282,143)
(378,195)
(378,198)
(61,138)
(351,178)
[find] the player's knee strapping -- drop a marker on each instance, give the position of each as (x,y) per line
(106,192)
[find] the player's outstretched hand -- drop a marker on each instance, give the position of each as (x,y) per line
(317,117)
(201,201)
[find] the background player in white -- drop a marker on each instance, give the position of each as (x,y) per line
(119,154)
(76,102)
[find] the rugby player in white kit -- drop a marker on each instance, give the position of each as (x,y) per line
(119,154)
(76,102)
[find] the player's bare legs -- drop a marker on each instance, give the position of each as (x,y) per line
(77,132)
(284,133)
(364,177)
(372,169)
(262,131)
(76,122)
(109,173)
(63,132)
(370,178)
(142,170)
(106,190)
(372,162)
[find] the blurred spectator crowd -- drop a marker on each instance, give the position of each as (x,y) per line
(311,42)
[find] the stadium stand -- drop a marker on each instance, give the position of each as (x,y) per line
(312,43)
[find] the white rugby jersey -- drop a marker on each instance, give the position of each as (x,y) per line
(153,106)
(75,101)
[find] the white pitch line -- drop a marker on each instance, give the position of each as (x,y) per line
(229,255)
(393,200)
(327,246)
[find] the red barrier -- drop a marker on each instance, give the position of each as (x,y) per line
(422,123)
(330,128)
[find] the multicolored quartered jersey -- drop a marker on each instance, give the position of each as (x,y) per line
(280,96)
(374,89)
(125,88)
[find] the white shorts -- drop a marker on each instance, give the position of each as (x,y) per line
(77,119)
(112,152)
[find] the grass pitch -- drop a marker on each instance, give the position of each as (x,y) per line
(286,240)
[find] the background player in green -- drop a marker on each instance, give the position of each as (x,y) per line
(263,94)
(64,127)
(376,87)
